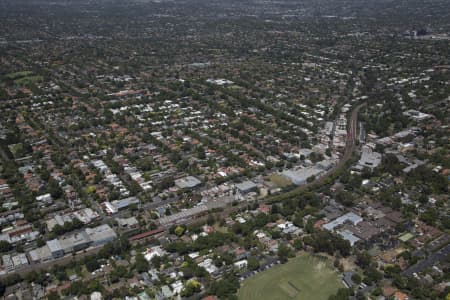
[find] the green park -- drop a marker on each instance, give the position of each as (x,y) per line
(301,278)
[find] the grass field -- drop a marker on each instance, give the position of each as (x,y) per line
(219,228)
(17,75)
(24,77)
(279,180)
(28,79)
(302,278)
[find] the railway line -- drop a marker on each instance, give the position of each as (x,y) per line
(202,214)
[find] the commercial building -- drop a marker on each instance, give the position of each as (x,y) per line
(369,159)
(75,242)
(348,236)
(19,260)
(114,206)
(348,217)
(55,248)
(130,222)
(8,264)
(40,254)
(187,182)
(300,176)
(183,215)
(246,187)
(100,235)
(124,203)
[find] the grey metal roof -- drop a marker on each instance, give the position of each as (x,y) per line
(246,186)
(301,175)
(101,233)
(187,182)
(119,204)
(183,214)
(348,236)
(54,245)
(348,217)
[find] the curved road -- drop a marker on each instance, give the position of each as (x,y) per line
(348,151)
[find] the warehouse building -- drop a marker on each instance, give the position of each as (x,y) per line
(369,159)
(40,254)
(124,203)
(75,242)
(90,237)
(188,182)
(100,235)
(246,187)
(300,176)
(347,218)
(55,248)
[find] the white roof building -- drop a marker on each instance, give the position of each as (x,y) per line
(154,251)
(348,217)
(101,234)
